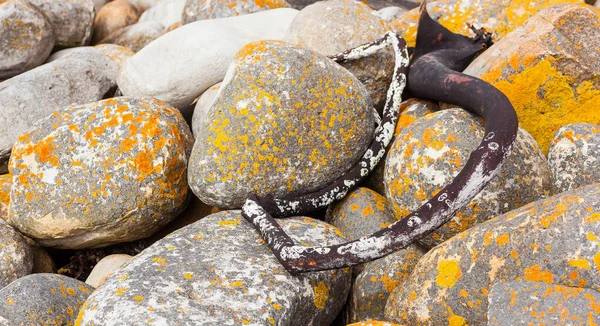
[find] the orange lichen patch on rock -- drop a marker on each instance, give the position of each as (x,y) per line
(206,9)
(448,273)
(116,53)
(373,323)
(536,274)
(5,185)
(321,295)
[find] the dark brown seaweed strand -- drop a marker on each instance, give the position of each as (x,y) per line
(431,76)
(382,136)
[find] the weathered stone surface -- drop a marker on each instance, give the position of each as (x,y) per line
(16,258)
(195,10)
(549,68)
(143,5)
(136,36)
(204,103)
(112,17)
(272,137)
(429,153)
(574,156)
(5,183)
(218,271)
(42,262)
(76,79)
(105,268)
(115,53)
(534,303)
(375,4)
(72,20)
(373,323)
(26,38)
(100,173)
(389,14)
(554,240)
(165,12)
(331,27)
(42,299)
(198,55)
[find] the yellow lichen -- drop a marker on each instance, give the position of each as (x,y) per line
(448,273)
(321,295)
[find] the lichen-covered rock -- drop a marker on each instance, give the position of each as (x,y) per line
(112,17)
(428,154)
(574,156)
(535,303)
(79,78)
(165,12)
(218,271)
(16,258)
(198,55)
(204,103)
(42,299)
(26,38)
(499,17)
(100,173)
(271,136)
(374,323)
(195,10)
(331,27)
(549,68)
(105,268)
(72,20)
(554,240)
(136,36)
(115,53)
(375,4)
(5,183)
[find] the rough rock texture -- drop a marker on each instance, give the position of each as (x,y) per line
(42,299)
(105,268)
(218,271)
(555,240)
(195,10)
(16,258)
(100,173)
(549,68)
(72,20)
(204,104)
(42,262)
(331,27)
(26,38)
(429,153)
(136,36)
(76,79)
(261,137)
(574,156)
(5,183)
(165,12)
(199,55)
(535,303)
(112,17)
(375,4)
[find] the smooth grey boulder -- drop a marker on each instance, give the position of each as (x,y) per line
(72,20)
(16,256)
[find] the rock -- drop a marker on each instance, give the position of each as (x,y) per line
(42,262)
(204,103)
(143,5)
(16,258)
(116,53)
(574,156)
(373,323)
(198,55)
(534,303)
(549,69)
(26,38)
(389,14)
(98,4)
(80,78)
(375,4)
(5,183)
(331,27)
(100,173)
(105,268)
(136,36)
(261,137)
(112,17)
(72,20)
(220,272)
(165,12)
(43,299)
(428,154)
(553,240)
(195,10)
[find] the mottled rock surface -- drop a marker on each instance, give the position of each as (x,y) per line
(112,17)
(136,36)
(5,183)
(16,258)
(373,323)
(195,10)
(204,104)
(105,268)
(72,20)
(115,53)
(165,12)
(389,14)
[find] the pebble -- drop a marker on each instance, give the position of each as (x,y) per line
(72,20)
(195,10)
(205,102)
(100,173)
(16,257)
(165,12)
(5,183)
(112,17)
(136,36)
(105,268)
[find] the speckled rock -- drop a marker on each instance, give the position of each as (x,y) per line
(574,156)
(555,240)
(499,17)
(331,27)
(115,53)
(106,267)
(136,36)
(77,79)
(16,258)
(199,55)
(204,103)
(5,183)
(165,12)
(100,173)
(261,137)
(534,303)
(389,14)
(429,153)
(112,17)
(195,10)
(218,271)
(549,68)
(43,299)
(375,4)
(26,38)
(72,20)
(374,323)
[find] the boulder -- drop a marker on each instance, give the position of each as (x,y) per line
(195,10)
(105,268)
(165,12)
(136,36)
(5,183)
(16,257)
(72,20)
(116,53)
(112,17)
(204,104)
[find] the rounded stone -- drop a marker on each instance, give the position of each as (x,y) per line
(195,10)
(100,173)
(112,17)
(72,20)
(16,257)
(165,12)
(5,184)
(105,268)
(136,36)
(205,101)
(373,323)
(296,129)
(26,38)
(116,53)
(429,153)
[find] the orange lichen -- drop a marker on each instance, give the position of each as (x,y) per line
(448,273)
